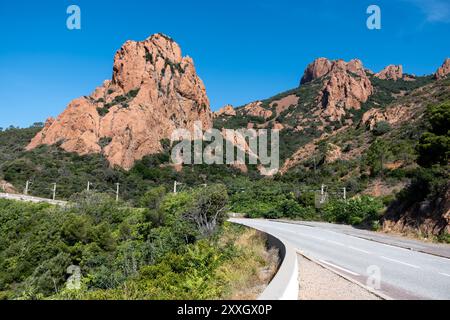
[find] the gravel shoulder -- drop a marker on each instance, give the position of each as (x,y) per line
(318,283)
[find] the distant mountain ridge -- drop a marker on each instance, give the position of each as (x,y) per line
(155,90)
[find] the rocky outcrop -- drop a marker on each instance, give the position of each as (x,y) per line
(391,72)
(317,69)
(345,87)
(255,109)
(444,70)
(393,115)
(153,91)
(227,110)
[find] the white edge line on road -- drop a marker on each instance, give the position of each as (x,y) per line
(444,274)
(401,262)
(357,249)
(340,268)
(336,243)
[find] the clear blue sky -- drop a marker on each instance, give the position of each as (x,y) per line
(243,49)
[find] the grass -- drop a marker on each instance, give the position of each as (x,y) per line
(247,274)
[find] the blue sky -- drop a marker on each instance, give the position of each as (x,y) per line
(243,50)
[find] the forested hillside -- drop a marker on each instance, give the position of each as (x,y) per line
(163,250)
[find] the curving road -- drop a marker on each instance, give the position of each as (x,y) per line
(400,273)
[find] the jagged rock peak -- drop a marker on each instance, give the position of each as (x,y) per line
(391,72)
(444,70)
(322,67)
(227,110)
(154,90)
(345,86)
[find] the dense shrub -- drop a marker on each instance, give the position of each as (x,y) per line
(381,128)
(354,211)
(109,241)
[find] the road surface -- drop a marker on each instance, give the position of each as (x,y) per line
(396,272)
(25,198)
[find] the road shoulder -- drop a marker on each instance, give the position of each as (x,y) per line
(318,283)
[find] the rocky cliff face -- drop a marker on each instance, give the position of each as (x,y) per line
(391,72)
(346,86)
(154,90)
(444,70)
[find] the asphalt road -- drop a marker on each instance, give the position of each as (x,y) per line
(396,272)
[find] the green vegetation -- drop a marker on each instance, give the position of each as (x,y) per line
(148,56)
(104,141)
(173,248)
(434,145)
(123,101)
(14,140)
(173,66)
(357,211)
(431,179)
(236,122)
(270,199)
(220,268)
(381,128)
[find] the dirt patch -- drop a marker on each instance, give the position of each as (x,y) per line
(285,103)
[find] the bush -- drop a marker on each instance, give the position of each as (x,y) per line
(355,211)
(426,183)
(381,128)
(208,210)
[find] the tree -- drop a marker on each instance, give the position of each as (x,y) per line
(208,210)
(377,156)
(434,145)
(152,198)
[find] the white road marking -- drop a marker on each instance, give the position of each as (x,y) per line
(401,262)
(336,243)
(314,237)
(340,268)
(360,250)
(444,274)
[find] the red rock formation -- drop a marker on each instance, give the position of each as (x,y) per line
(391,72)
(317,69)
(444,70)
(255,109)
(154,90)
(227,110)
(392,115)
(346,86)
